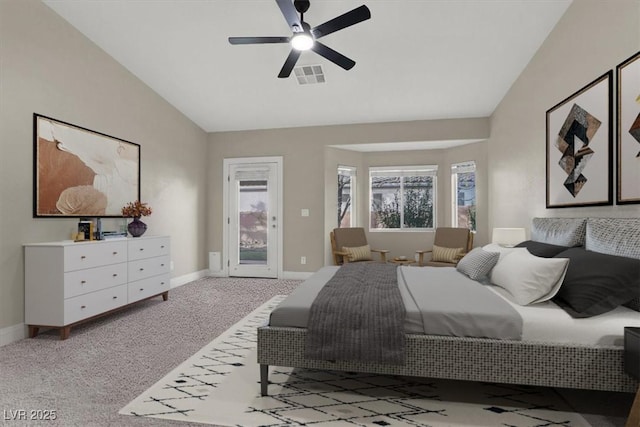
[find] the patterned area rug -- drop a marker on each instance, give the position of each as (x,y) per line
(219,385)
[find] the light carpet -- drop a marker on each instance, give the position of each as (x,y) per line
(219,385)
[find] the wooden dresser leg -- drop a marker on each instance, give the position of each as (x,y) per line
(33,331)
(65,331)
(634,414)
(165,296)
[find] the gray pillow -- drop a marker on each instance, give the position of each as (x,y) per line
(478,263)
(614,236)
(559,231)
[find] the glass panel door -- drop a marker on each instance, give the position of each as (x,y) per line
(253,221)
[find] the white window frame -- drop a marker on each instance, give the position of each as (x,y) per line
(456,168)
(351,172)
(402,171)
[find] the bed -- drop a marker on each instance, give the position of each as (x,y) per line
(594,361)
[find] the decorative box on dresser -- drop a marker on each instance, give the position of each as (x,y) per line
(67,282)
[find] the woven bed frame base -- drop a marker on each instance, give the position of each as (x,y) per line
(472,359)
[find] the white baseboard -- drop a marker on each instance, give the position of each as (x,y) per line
(217,273)
(12,333)
(296,275)
(293,275)
(182,280)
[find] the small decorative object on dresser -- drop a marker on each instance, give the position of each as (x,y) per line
(68,283)
(136,210)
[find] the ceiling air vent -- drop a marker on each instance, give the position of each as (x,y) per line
(309,74)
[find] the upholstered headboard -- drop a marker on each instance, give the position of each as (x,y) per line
(612,236)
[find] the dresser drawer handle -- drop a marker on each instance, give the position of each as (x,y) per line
(161,246)
(82,282)
(115,297)
(162,283)
(82,257)
(141,269)
(115,274)
(83,307)
(142,289)
(142,249)
(115,253)
(162,265)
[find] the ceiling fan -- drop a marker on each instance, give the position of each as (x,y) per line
(306,38)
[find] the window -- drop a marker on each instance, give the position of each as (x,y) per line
(463,184)
(346,196)
(403,197)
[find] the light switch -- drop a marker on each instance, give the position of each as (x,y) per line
(304,212)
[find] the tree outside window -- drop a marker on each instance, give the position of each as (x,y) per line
(346,196)
(402,197)
(463,179)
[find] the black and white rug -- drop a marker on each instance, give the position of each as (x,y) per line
(219,385)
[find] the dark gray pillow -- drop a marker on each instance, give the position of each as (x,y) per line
(596,283)
(544,250)
(478,263)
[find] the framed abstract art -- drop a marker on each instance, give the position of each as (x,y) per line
(81,173)
(628,130)
(579,147)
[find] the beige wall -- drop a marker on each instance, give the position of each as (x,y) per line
(592,37)
(47,67)
(310,175)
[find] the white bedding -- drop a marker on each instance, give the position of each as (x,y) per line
(542,322)
(546,322)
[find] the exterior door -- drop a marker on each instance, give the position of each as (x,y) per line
(253,221)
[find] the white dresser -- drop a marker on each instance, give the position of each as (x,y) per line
(70,282)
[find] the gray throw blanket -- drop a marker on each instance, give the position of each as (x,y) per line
(358,315)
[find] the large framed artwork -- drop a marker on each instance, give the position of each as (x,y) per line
(628,170)
(579,147)
(81,173)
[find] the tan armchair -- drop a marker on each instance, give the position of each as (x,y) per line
(350,238)
(449,237)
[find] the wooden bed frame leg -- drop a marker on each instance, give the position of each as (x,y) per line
(264,380)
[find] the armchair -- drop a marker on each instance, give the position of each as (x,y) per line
(448,238)
(354,237)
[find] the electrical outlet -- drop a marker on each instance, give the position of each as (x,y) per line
(303,260)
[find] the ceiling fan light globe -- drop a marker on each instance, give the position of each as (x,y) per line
(302,42)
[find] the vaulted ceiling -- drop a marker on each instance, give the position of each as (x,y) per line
(415,60)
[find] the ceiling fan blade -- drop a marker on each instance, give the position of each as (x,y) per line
(333,56)
(289,64)
(290,13)
(257,40)
(345,20)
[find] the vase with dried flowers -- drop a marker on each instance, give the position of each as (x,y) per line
(136,210)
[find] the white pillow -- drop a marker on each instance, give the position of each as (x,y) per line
(528,278)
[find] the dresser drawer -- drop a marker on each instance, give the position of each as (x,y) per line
(141,248)
(87,305)
(144,268)
(81,256)
(93,279)
(147,287)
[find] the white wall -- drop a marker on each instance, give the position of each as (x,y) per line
(48,67)
(591,38)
